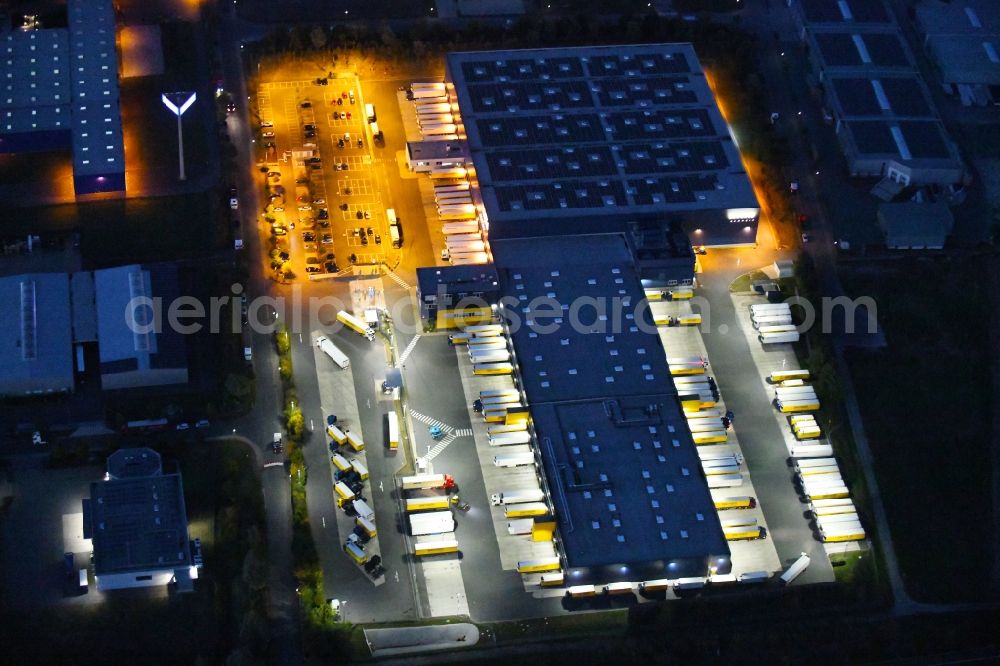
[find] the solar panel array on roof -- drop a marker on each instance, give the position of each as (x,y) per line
(555,133)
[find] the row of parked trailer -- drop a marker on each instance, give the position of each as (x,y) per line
(798,406)
(687,365)
(823,486)
(486,336)
(427,504)
(526,508)
(773,322)
(436,119)
(435,114)
(816,470)
(676,293)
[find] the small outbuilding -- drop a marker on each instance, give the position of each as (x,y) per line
(915,226)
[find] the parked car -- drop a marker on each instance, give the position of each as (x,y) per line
(306,104)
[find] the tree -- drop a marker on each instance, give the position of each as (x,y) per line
(294,422)
(318,37)
(282,341)
(285,368)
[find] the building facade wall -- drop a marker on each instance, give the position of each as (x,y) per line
(133,579)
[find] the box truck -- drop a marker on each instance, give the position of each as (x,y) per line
(356,325)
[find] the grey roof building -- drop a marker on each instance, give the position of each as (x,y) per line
(61,92)
(143,354)
(885,120)
(441,288)
(36,336)
(915,226)
(57,310)
(138,523)
(589,139)
(624,476)
(963,38)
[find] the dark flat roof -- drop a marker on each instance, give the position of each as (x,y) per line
(904,96)
(609,130)
(861,49)
(625,476)
(457,279)
(138,524)
(921,139)
(845,11)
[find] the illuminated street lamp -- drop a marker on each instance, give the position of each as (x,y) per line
(179,102)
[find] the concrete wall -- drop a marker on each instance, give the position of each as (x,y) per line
(120,581)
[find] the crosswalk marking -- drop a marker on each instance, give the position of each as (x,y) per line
(409,349)
(463,432)
(439,447)
(395,278)
(431,421)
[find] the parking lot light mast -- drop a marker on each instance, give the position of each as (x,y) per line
(178,103)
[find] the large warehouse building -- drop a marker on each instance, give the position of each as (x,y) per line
(60,92)
(595,139)
(625,478)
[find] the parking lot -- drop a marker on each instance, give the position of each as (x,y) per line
(318,145)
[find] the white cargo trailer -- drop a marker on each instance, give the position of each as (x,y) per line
(509,438)
(519,496)
(778,338)
(452,228)
(331,350)
(794,571)
(725,480)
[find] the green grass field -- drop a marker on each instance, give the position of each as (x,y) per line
(926,405)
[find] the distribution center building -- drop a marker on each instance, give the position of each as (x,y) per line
(625,479)
(593,139)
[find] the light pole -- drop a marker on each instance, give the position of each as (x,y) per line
(179,102)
